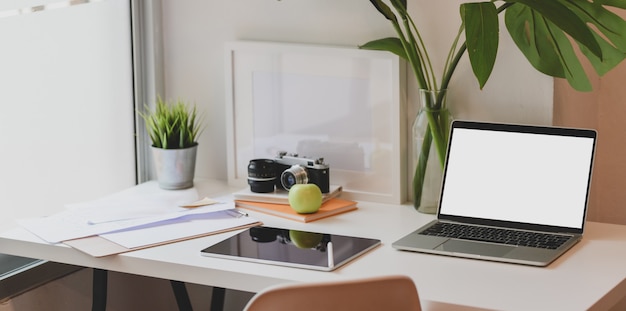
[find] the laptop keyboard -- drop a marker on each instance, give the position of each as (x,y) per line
(496,235)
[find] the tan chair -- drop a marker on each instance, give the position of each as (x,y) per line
(388,293)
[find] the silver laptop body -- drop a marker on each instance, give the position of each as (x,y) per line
(533,179)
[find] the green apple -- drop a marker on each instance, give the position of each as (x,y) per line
(302,239)
(305,198)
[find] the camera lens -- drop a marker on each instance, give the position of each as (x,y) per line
(261,175)
(294,175)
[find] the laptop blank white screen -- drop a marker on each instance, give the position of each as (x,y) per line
(518,177)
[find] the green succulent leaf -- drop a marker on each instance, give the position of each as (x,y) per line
(393,45)
(482,31)
(172,125)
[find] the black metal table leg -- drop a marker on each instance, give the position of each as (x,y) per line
(217,299)
(182,298)
(99,294)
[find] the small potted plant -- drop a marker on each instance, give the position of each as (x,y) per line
(173,127)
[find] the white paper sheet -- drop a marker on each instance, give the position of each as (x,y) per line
(144,200)
(191,225)
(137,206)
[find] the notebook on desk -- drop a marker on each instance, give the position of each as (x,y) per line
(511,193)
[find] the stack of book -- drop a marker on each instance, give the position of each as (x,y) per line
(277,203)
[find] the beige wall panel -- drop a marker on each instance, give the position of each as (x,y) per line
(604,109)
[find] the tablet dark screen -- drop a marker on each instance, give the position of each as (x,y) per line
(309,250)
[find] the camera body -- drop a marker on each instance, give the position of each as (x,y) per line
(301,170)
(286,170)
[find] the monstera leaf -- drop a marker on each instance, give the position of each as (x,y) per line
(543,30)
(540,29)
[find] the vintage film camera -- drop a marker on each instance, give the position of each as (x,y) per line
(286,170)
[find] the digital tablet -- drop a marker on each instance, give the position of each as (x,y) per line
(292,248)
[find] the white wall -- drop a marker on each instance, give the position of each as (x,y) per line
(66,104)
(194,33)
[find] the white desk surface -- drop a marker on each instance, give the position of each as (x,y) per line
(592,275)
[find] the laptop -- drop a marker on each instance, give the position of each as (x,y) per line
(510,193)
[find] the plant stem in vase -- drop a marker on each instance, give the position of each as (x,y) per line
(430,139)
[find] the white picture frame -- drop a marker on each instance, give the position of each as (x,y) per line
(344,104)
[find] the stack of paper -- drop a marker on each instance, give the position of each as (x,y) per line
(136,218)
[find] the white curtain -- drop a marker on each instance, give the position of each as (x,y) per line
(66,103)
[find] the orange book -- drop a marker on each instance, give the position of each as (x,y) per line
(279,196)
(331,207)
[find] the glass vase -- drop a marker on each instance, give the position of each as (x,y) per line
(430,141)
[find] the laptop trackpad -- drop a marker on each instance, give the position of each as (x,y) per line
(476,248)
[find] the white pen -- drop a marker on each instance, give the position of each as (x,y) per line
(331,254)
(237,213)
